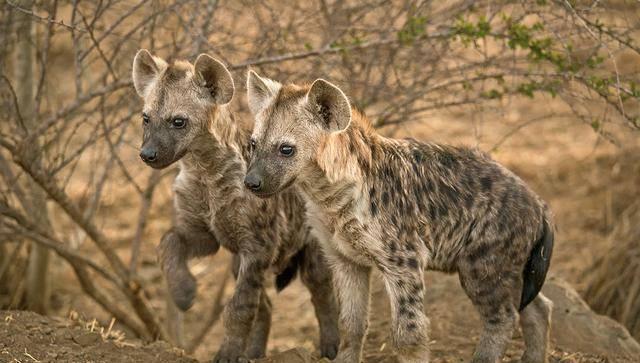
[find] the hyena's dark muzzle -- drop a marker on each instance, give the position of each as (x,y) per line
(159,151)
(256,180)
(148,154)
(261,180)
(253,181)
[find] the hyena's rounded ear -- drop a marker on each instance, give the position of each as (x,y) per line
(211,74)
(260,91)
(145,70)
(330,105)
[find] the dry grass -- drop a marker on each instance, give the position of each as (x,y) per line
(614,280)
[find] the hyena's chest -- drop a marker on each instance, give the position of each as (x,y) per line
(346,231)
(208,198)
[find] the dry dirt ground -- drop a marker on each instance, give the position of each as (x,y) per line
(29,337)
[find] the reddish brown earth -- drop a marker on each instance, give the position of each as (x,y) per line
(29,337)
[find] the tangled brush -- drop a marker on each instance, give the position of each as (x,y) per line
(613,282)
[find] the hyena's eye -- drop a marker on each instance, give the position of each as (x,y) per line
(145,119)
(178,123)
(252,145)
(287,150)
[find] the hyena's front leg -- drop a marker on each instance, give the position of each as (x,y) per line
(257,341)
(351,285)
(405,286)
(177,247)
(316,276)
(240,312)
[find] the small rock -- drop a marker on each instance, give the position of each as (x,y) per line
(577,328)
(85,338)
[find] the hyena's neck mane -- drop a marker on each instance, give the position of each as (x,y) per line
(225,129)
(347,156)
(222,140)
(335,178)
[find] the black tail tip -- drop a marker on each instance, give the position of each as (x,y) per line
(284,278)
(535,271)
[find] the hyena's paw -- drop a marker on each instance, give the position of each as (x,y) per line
(230,355)
(182,287)
(255,352)
(347,356)
(413,354)
(329,346)
(413,348)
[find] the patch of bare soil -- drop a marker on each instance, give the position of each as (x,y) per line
(29,337)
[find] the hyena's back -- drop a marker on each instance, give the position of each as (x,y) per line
(473,215)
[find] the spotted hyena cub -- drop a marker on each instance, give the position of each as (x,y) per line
(402,206)
(186,119)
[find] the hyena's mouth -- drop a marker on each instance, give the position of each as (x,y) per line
(157,164)
(162,163)
(264,195)
(267,194)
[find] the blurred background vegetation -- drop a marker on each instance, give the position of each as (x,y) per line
(550,88)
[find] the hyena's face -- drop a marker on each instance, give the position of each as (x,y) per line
(291,122)
(179,99)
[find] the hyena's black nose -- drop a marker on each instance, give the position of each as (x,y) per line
(252,182)
(148,155)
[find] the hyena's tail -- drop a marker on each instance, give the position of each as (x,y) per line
(284,278)
(535,271)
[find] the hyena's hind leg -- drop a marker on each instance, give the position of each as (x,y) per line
(316,276)
(495,295)
(259,335)
(535,321)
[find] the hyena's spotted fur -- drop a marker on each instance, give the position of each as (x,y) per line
(402,206)
(213,208)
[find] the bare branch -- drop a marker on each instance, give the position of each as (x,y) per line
(48,20)
(146,197)
(214,316)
